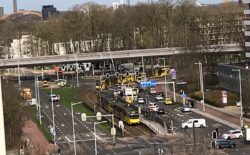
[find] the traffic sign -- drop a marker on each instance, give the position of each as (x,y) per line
(83,117)
(183,95)
(117,74)
(151,83)
(121,125)
(98,116)
(107,75)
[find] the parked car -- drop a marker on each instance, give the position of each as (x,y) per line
(196,122)
(232,134)
(222,143)
(161,111)
(153,106)
(54,97)
(141,100)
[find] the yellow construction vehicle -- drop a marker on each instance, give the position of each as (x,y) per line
(26,94)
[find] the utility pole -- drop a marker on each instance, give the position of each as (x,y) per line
(201,85)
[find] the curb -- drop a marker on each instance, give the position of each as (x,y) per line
(216,119)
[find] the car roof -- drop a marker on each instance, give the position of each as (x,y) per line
(234,130)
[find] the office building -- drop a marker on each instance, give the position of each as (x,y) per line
(246,26)
(1,11)
(49,11)
(14,5)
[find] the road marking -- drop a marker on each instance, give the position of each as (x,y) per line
(62,124)
(181,115)
(67,139)
(102,134)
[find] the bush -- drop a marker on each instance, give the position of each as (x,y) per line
(214,98)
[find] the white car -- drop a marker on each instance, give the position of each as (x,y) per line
(152,91)
(184,109)
(232,134)
(159,98)
(198,123)
(32,102)
(141,101)
(54,97)
(153,107)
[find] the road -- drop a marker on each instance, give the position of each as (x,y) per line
(203,135)
(85,136)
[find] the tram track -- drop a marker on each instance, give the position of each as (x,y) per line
(90,98)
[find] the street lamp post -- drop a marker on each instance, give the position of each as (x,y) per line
(241,108)
(73,124)
(99,117)
(95,123)
(164,62)
(38,98)
(53,116)
(72,48)
(194,133)
(201,85)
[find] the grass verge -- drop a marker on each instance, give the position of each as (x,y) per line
(70,95)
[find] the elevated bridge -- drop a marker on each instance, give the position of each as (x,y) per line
(125,54)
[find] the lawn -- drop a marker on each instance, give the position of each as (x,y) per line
(70,95)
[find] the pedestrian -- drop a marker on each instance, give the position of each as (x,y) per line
(59,151)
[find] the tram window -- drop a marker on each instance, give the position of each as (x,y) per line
(135,116)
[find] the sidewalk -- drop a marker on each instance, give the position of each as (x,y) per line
(229,115)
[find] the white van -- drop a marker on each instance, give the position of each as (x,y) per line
(189,123)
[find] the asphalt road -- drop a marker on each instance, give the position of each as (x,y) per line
(139,145)
(203,135)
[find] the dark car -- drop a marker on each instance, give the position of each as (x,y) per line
(160,94)
(161,111)
(222,143)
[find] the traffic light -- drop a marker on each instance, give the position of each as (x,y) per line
(127,73)
(137,73)
(117,74)
(214,134)
(107,75)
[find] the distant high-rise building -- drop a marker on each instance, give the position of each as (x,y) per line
(49,11)
(1,11)
(14,5)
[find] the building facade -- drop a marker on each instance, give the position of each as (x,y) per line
(49,11)
(1,11)
(14,5)
(246,23)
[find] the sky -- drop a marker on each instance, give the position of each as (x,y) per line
(63,5)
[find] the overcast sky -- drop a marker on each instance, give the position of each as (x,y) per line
(66,4)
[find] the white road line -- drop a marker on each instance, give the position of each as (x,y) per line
(67,139)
